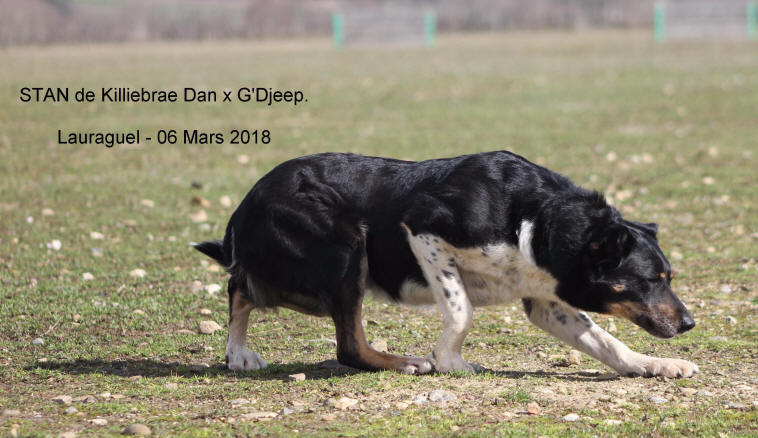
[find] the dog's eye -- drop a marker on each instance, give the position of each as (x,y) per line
(663,276)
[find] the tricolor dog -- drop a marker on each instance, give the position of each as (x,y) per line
(317,232)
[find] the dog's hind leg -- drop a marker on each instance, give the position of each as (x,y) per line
(238,356)
(352,348)
(578,330)
(444,280)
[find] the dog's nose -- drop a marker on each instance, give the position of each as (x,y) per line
(687,323)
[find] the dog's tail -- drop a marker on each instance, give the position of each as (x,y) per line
(213,249)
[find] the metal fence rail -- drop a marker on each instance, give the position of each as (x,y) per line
(384,25)
(705,19)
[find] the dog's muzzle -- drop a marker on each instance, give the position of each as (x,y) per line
(664,320)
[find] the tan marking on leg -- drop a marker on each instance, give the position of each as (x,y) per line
(352,348)
(238,318)
(238,356)
(378,360)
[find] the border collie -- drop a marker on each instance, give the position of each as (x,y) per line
(484,229)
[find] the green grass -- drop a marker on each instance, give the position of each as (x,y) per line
(670,115)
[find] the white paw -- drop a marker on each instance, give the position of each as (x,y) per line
(655,366)
(242,359)
(670,368)
(445,362)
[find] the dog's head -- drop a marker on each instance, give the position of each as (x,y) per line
(627,275)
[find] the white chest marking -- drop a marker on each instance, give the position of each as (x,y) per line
(525,234)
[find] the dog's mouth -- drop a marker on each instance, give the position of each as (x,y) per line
(660,321)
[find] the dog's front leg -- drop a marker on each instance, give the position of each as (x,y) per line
(578,330)
(440,271)
(457,316)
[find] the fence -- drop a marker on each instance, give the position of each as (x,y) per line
(54,21)
(384,25)
(688,19)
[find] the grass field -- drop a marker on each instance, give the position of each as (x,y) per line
(669,132)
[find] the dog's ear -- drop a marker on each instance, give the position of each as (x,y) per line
(651,228)
(608,246)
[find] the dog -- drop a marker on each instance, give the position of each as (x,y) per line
(317,232)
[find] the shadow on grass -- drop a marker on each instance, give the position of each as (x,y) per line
(321,370)
(152,368)
(576,376)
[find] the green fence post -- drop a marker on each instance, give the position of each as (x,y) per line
(338,30)
(752,19)
(659,22)
(430,27)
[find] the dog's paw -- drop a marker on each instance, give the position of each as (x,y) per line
(242,359)
(417,365)
(670,368)
(649,366)
(447,362)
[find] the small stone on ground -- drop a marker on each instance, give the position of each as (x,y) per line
(208,327)
(379,345)
(299,377)
(212,289)
(62,399)
(199,216)
(259,416)
(533,408)
(656,399)
(574,357)
(439,395)
(240,401)
(342,403)
(137,429)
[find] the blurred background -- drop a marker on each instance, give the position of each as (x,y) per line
(56,21)
(46,21)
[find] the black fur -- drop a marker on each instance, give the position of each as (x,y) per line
(296,235)
(213,249)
